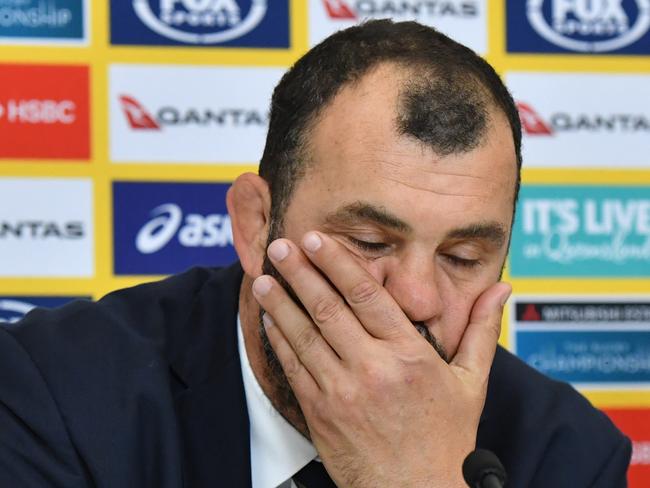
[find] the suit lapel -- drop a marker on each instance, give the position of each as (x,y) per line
(209,392)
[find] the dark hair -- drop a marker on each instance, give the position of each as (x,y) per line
(445,105)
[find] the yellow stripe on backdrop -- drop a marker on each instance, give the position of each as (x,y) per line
(505,62)
(99,54)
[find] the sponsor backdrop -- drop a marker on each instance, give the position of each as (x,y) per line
(123,122)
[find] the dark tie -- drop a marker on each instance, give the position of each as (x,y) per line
(313,476)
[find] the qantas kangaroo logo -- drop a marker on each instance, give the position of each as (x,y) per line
(137,115)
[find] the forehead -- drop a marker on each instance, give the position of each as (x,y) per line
(356,137)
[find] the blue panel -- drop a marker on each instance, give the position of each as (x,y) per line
(607,357)
(578,26)
(234,23)
(13,308)
(39,19)
(164,228)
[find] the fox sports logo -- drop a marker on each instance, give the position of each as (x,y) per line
(201,21)
(592,26)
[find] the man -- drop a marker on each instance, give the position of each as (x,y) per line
(363,330)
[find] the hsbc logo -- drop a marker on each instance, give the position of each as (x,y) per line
(44,111)
(191,230)
(139,118)
(535,125)
(39,111)
(360,9)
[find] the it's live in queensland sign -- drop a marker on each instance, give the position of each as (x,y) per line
(592,341)
(582,231)
(164,228)
(234,23)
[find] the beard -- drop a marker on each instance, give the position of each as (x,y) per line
(282,396)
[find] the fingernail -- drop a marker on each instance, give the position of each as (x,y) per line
(312,242)
(262,285)
(267,320)
(278,250)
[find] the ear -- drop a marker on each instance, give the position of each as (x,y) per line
(249,206)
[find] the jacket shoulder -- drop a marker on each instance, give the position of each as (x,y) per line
(140,314)
(546,433)
(101,375)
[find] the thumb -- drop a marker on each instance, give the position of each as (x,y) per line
(478,345)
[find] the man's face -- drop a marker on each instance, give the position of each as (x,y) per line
(433,230)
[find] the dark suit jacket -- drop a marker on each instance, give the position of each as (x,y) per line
(144,389)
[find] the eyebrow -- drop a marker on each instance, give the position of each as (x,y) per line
(352,213)
(363,211)
(489,231)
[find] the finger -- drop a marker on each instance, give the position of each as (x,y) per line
(375,308)
(478,345)
(301,380)
(303,336)
(337,323)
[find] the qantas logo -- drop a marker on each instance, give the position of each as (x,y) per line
(534,124)
(41,229)
(139,118)
(338,9)
(531,123)
(136,114)
(418,9)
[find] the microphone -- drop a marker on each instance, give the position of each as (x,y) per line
(482,469)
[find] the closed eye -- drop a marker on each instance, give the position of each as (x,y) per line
(462,262)
(372,247)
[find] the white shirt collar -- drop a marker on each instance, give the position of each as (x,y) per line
(278,450)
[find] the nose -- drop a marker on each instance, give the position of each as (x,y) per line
(414,286)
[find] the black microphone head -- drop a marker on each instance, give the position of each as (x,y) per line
(480,463)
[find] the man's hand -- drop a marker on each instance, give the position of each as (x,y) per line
(383,408)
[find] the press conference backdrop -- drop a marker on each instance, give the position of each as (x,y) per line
(123,122)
